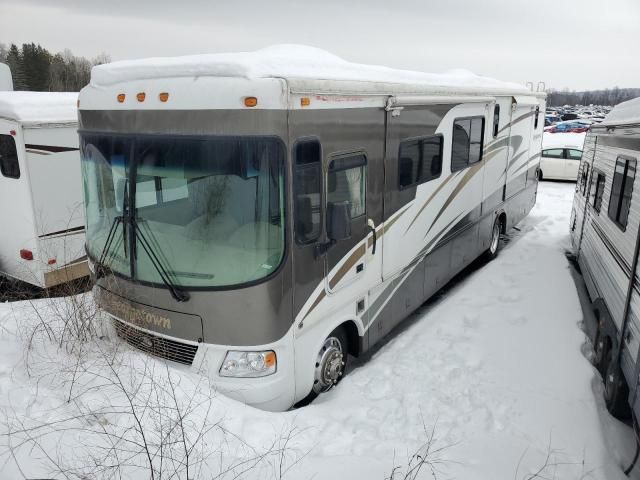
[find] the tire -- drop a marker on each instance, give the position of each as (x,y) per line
(616,391)
(601,348)
(539,175)
(494,243)
(331,363)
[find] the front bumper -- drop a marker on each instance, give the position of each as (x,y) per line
(274,392)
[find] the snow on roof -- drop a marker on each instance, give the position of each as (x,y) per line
(563,140)
(39,107)
(624,113)
(284,61)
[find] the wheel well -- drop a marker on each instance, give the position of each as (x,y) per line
(503,222)
(605,328)
(353,338)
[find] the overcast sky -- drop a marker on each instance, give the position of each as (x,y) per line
(579,44)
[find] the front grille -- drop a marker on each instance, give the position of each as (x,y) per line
(154,345)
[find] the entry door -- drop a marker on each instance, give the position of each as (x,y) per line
(353,172)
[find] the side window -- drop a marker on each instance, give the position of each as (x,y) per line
(621,190)
(9,157)
(346,180)
(537,116)
(419,160)
(598,182)
(307,190)
(553,153)
(574,154)
(467,140)
(496,120)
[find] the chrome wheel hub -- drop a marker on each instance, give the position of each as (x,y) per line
(329,365)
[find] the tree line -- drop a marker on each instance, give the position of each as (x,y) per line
(609,96)
(35,68)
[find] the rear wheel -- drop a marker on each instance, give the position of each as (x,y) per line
(494,243)
(616,391)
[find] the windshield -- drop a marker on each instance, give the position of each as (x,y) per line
(211,208)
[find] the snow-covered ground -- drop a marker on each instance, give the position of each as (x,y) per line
(494,371)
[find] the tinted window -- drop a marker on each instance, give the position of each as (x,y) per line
(537,115)
(496,120)
(467,142)
(9,157)
(553,153)
(419,160)
(346,180)
(308,188)
(574,154)
(599,190)
(621,190)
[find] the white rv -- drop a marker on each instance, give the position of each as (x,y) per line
(605,232)
(6,81)
(41,213)
(259,216)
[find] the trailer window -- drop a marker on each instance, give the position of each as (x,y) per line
(419,160)
(346,180)
(467,140)
(496,120)
(9,157)
(308,188)
(621,190)
(598,187)
(537,115)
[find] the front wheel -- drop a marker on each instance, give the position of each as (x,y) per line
(330,365)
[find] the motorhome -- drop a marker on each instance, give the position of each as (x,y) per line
(42,217)
(259,216)
(605,223)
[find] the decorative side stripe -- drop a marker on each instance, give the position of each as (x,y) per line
(50,148)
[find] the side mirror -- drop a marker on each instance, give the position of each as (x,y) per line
(304,216)
(339,221)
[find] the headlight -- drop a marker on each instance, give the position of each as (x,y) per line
(249,364)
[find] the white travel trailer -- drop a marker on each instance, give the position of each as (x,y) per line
(259,216)
(6,81)
(605,233)
(41,213)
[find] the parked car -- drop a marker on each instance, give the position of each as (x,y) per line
(569,127)
(559,164)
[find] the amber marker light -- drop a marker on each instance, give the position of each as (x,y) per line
(164,96)
(250,101)
(141,96)
(305,101)
(121,97)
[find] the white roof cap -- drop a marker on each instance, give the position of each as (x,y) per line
(624,113)
(563,140)
(39,107)
(285,61)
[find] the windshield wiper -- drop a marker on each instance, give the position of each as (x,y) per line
(119,220)
(177,293)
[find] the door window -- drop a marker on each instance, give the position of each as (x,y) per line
(598,190)
(346,180)
(574,154)
(553,153)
